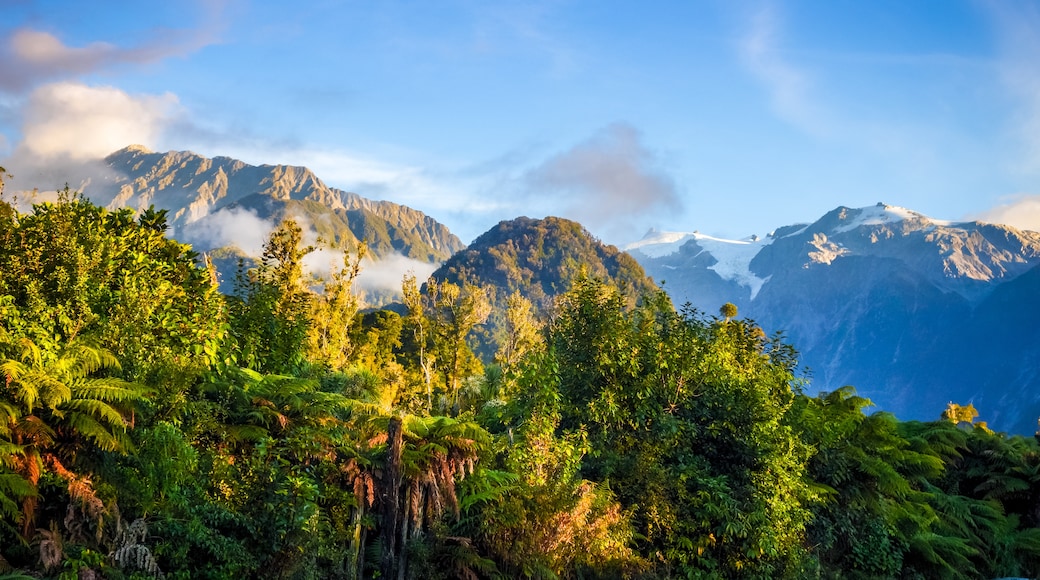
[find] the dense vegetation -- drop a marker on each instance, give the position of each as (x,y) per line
(151,426)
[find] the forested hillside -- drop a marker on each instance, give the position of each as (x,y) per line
(529,262)
(151,426)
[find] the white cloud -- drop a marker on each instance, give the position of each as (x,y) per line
(33,56)
(386,274)
(788,86)
(80,122)
(42,49)
(67,128)
(1022,212)
(229,227)
(378,278)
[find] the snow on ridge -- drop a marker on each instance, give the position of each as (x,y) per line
(884,214)
(734,260)
(657,244)
(733,257)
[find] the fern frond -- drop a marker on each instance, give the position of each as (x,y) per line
(98,410)
(13,488)
(8,452)
(33,429)
(107,390)
(87,426)
(245,433)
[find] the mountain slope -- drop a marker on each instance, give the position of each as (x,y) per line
(196,190)
(540,258)
(913,312)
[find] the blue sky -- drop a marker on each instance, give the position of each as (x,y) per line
(731,118)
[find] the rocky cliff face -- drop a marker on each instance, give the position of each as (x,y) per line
(913,312)
(201,192)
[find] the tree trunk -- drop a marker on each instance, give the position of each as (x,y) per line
(391,497)
(402,563)
(354,554)
(361,557)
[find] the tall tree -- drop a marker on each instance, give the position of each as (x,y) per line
(419,323)
(520,333)
(688,420)
(456,310)
(270,317)
(332,315)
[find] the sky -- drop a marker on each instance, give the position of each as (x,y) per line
(731,118)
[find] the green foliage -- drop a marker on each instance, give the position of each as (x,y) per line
(454,311)
(960,414)
(269,316)
(150,427)
(688,420)
(539,260)
(332,316)
(550,522)
(728,311)
(73,268)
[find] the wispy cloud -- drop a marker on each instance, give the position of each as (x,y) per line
(527,24)
(789,87)
(1021,211)
(33,56)
(605,182)
(479,31)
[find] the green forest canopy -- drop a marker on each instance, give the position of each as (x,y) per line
(153,427)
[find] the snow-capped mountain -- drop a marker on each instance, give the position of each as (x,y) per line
(912,311)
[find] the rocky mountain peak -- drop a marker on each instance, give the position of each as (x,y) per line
(221,202)
(912,311)
(955,256)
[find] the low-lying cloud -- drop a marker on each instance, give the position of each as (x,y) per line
(235,226)
(242,228)
(605,181)
(387,273)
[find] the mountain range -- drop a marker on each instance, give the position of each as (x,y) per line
(914,312)
(226,208)
(195,189)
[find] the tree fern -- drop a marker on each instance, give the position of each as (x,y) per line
(54,403)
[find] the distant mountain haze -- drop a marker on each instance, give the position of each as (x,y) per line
(913,312)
